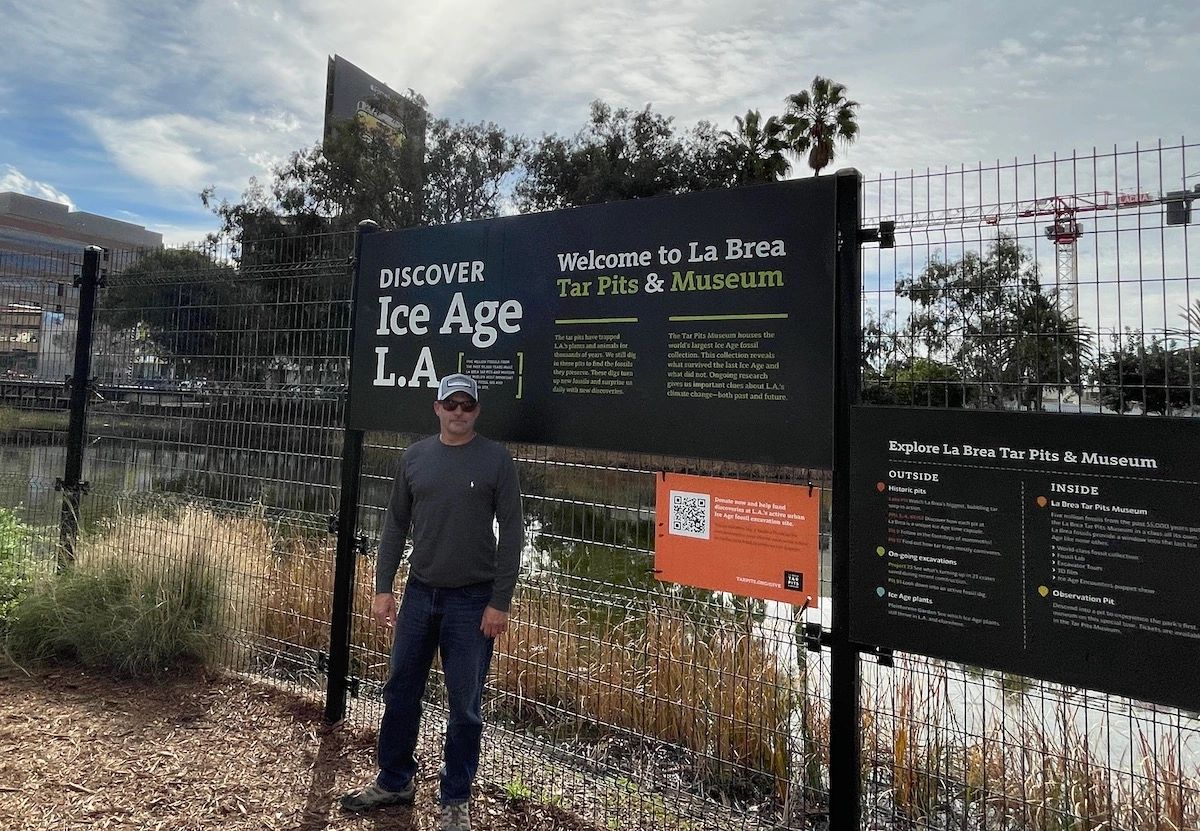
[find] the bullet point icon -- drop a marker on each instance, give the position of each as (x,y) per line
(881,486)
(1043,590)
(880,551)
(1042,502)
(881,591)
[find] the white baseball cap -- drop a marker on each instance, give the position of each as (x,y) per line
(457,383)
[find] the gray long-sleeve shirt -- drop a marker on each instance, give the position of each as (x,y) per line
(446,496)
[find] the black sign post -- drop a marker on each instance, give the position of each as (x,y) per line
(845,739)
(79,382)
(346,526)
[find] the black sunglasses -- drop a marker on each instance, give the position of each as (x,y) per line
(451,405)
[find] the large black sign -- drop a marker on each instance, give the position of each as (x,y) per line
(1063,547)
(695,325)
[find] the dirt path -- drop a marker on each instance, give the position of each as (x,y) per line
(79,751)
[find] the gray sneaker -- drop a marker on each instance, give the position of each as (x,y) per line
(455,817)
(373,796)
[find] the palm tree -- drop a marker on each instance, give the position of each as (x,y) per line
(1191,314)
(754,151)
(818,117)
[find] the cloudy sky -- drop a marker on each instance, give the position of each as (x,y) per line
(130,109)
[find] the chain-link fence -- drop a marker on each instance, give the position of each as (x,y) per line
(38,312)
(616,696)
(1062,285)
(214,436)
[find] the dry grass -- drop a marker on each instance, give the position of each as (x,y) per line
(1161,797)
(713,688)
(1032,774)
(920,764)
(718,692)
(535,662)
(298,609)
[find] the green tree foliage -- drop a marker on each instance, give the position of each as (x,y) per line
(1191,317)
(184,306)
(990,319)
(456,172)
(283,316)
(17,564)
(1158,376)
(818,119)
(291,231)
(360,171)
(620,154)
(371,172)
(754,151)
(706,166)
(894,373)
(466,167)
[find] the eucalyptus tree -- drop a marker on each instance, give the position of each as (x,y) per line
(990,318)
(621,154)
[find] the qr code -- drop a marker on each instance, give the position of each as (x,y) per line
(689,514)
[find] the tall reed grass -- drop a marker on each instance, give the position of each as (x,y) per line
(1030,769)
(180,586)
(141,598)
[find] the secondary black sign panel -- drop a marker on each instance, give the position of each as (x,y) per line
(693,325)
(1062,547)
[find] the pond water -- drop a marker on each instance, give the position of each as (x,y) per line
(115,468)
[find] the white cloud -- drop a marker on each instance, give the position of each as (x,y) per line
(179,236)
(12,179)
(180,152)
(162,150)
(180,97)
(277,121)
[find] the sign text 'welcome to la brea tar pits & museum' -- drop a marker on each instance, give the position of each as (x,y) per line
(694,325)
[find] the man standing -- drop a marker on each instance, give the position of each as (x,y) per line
(460,582)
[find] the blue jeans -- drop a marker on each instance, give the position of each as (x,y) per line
(428,620)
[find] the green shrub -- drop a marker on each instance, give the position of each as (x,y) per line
(137,620)
(17,565)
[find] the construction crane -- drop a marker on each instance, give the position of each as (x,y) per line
(1065,230)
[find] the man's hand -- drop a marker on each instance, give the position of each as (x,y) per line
(494,622)
(383,607)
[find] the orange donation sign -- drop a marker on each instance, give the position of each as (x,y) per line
(750,538)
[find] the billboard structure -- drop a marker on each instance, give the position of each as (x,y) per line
(352,94)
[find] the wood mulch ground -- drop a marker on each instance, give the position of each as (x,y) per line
(83,751)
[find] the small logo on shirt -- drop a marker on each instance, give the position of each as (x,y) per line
(472,484)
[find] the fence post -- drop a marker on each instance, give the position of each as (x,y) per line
(347,525)
(79,383)
(845,739)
